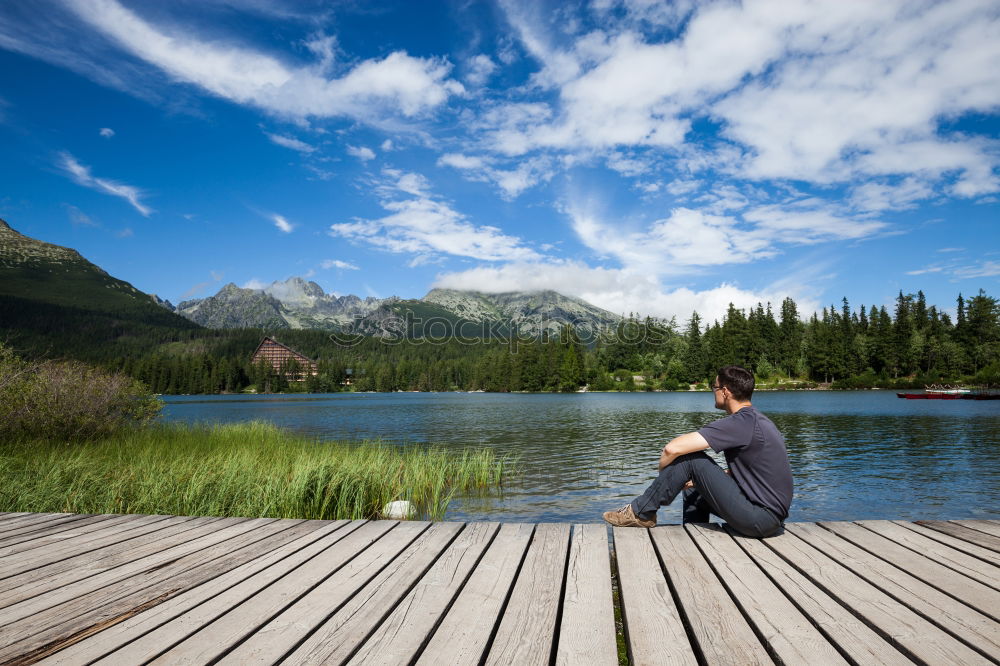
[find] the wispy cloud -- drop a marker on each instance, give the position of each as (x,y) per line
(106,132)
(282,223)
(82,176)
(340,264)
(290,142)
(80,219)
(361,152)
(395,84)
(511,182)
(216,277)
(420,224)
(980,270)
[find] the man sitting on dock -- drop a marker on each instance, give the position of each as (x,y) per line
(753,496)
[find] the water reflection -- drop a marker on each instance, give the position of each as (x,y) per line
(858,455)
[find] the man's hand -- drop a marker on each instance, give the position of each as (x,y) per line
(688,486)
(682,445)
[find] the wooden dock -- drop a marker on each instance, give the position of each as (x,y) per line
(132,589)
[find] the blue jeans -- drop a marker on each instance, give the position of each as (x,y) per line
(714,492)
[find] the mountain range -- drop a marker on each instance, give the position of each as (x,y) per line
(298,303)
(44,287)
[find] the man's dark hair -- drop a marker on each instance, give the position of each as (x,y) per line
(738,380)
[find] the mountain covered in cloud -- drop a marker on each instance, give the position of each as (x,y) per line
(525,311)
(298,303)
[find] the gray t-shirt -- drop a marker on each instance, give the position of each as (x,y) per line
(755,452)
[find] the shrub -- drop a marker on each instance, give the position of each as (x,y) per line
(67,401)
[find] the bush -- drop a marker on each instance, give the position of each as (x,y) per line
(67,401)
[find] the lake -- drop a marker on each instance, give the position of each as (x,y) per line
(855,454)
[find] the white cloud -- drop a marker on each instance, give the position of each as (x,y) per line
(397,83)
(387,145)
(511,182)
(361,152)
(460,161)
(107,132)
(980,270)
(618,290)
(420,224)
(808,221)
(686,238)
(282,223)
(479,68)
(924,271)
(825,92)
(291,142)
(337,263)
(82,176)
(877,197)
(254,283)
(689,239)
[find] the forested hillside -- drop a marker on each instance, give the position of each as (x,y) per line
(912,345)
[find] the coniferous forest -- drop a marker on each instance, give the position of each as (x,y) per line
(911,344)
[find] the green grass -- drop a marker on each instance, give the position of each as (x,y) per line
(251,470)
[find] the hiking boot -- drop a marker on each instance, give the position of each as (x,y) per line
(625,517)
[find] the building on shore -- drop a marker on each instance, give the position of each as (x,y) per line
(295,367)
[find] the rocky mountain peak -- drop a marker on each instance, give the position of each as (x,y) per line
(296,291)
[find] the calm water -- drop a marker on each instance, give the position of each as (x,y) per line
(855,455)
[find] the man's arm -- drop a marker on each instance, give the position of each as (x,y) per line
(682,445)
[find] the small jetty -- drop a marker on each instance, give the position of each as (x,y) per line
(136,589)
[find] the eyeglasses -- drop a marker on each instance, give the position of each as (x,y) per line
(717,387)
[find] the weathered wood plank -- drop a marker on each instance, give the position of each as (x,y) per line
(653,626)
(883,542)
(200,539)
(66,543)
(465,631)
(587,630)
(987,526)
(24,557)
(73,521)
(985,554)
(977,629)
(789,634)
(972,567)
(25,519)
(852,636)
(96,611)
(143,541)
(143,636)
(334,641)
(528,626)
(344,567)
(961,532)
(906,629)
(724,636)
(398,639)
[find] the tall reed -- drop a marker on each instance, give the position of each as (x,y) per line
(250,469)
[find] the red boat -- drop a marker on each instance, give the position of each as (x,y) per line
(949,396)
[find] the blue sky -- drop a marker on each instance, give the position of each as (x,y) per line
(648,157)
